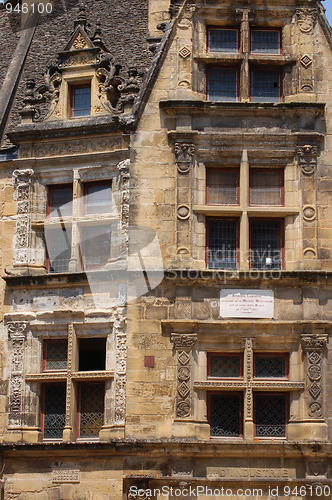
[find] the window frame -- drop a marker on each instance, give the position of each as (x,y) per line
(53,341)
(287,413)
(268,68)
(223,169)
(42,408)
(224,28)
(78,409)
(50,189)
(282,183)
(282,240)
(232,219)
(241,412)
(72,87)
(107,183)
(223,354)
(278,30)
(232,67)
(284,355)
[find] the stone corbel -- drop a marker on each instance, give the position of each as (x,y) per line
(184,154)
(313,346)
(183,344)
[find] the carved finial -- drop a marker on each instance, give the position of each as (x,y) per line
(29,100)
(81,18)
(97,36)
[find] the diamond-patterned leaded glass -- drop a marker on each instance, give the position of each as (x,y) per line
(270,415)
(55,355)
(54,410)
(91,409)
(270,367)
(225,366)
(225,414)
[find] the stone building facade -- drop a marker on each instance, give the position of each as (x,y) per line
(165,190)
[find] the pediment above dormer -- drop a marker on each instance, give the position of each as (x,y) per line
(79,41)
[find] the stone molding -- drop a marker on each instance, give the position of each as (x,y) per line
(183,343)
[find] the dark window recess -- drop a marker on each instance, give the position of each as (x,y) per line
(222,187)
(265,85)
(55,355)
(224,366)
(8,154)
(223,40)
(266,187)
(265,42)
(222,244)
(270,415)
(266,244)
(60,200)
(222,84)
(58,243)
(92,354)
(91,409)
(270,366)
(54,411)
(98,198)
(225,414)
(96,246)
(81,101)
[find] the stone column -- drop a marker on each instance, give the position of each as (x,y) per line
(244,203)
(74,263)
(22,180)
(69,430)
(184,154)
(307,159)
(17,334)
(313,346)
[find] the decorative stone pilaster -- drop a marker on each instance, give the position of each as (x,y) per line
(307,160)
(17,334)
(120,370)
(22,180)
(306,19)
(184,154)
(183,343)
(313,346)
(68,430)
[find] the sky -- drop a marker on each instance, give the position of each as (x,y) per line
(328,6)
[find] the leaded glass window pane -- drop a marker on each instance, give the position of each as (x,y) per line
(265,187)
(265,42)
(54,410)
(270,367)
(96,244)
(59,249)
(223,40)
(222,244)
(60,200)
(225,366)
(55,355)
(265,85)
(222,84)
(81,101)
(266,244)
(91,409)
(222,187)
(270,415)
(98,198)
(225,414)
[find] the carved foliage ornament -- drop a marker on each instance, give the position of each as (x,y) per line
(16,333)
(306,19)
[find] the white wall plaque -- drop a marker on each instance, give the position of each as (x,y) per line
(248,303)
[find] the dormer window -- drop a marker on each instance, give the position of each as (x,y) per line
(80,100)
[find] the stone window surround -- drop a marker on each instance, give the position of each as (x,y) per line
(36,377)
(78,177)
(243,59)
(244,212)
